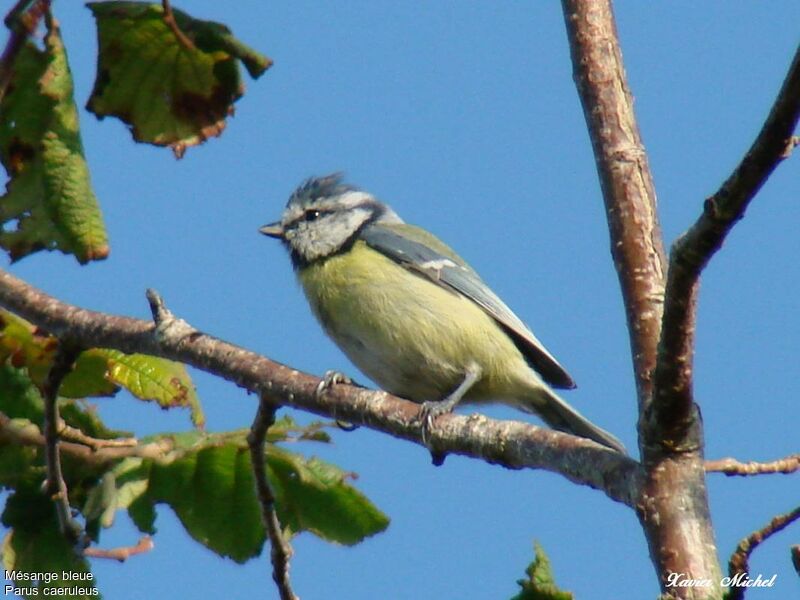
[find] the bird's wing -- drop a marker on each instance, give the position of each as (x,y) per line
(426,255)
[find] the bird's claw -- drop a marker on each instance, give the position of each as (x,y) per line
(330,379)
(428,413)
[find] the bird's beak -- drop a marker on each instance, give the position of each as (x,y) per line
(273,230)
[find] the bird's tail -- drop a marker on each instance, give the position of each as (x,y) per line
(561,416)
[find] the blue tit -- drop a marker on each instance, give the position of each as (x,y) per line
(412,315)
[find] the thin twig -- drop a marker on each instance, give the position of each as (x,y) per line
(25,433)
(145,544)
(169,19)
(56,487)
(738,563)
(731,466)
(74,434)
(22,22)
(673,409)
(281,550)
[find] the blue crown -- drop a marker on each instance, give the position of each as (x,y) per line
(314,188)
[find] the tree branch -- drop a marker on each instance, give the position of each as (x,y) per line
(281,551)
(625,179)
(673,408)
(511,444)
(55,486)
(731,466)
(677,527)
(145,544)
(738,564)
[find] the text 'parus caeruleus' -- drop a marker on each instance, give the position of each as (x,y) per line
(411,314)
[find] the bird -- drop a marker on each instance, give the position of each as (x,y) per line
(412,315)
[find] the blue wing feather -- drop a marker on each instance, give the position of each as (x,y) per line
(448,270)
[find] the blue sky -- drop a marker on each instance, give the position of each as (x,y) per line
(464,117)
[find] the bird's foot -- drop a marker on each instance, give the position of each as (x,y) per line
(430,411)
(330,379)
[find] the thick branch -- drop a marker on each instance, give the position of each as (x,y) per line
(677,526)
(508,443)
(628,192)
(281,551)
(673,412)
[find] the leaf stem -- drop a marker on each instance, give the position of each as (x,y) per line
(22,21)
(169,19)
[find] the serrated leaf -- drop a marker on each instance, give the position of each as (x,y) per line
(49,203)
(212,493)
(35,544)
(540,584)
(313,495)
(208,482)
(170,93)
(152,378)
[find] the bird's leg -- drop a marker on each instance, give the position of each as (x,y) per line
(434,408)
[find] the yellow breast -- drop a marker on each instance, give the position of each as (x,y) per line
(410,335)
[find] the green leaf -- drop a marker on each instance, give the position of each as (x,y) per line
(23,345)
(35,544)
(49,203)
(540,584)
(313,495)
(20,398)
(286,429)
(19,465)
(208,482)
(171,93)
(212,492)
(152,378)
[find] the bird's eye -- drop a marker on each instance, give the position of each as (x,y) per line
(311,215)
